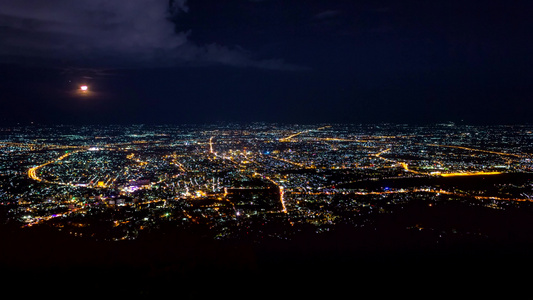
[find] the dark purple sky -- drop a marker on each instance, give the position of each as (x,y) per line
(312,61)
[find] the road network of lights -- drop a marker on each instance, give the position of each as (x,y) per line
(227,177)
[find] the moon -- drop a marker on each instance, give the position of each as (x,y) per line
(84,88)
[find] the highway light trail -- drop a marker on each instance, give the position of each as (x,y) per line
(420,190)
(478,150)
(288,161)
(39,220)
(469,173)
(405,166)
(286,139)
(281,192)
(211,145)
(32,172)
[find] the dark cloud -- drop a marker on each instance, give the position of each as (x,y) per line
(102,33)
(327,14)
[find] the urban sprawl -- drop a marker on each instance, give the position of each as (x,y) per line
(254,181)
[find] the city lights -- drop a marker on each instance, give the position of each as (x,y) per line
(229,178)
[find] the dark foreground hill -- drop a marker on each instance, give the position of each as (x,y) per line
(451,250)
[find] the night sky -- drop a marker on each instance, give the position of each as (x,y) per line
(287,61)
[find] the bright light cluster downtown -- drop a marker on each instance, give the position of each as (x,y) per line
(252,181)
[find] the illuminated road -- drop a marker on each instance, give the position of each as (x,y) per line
(468,174)
(424,190)
(281,192)
(256,173)
(477,150)
(211,145)
(288,161)
(32,172)
(38,220)
(404,165)
(286,139)
(39,146)
(381,153)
